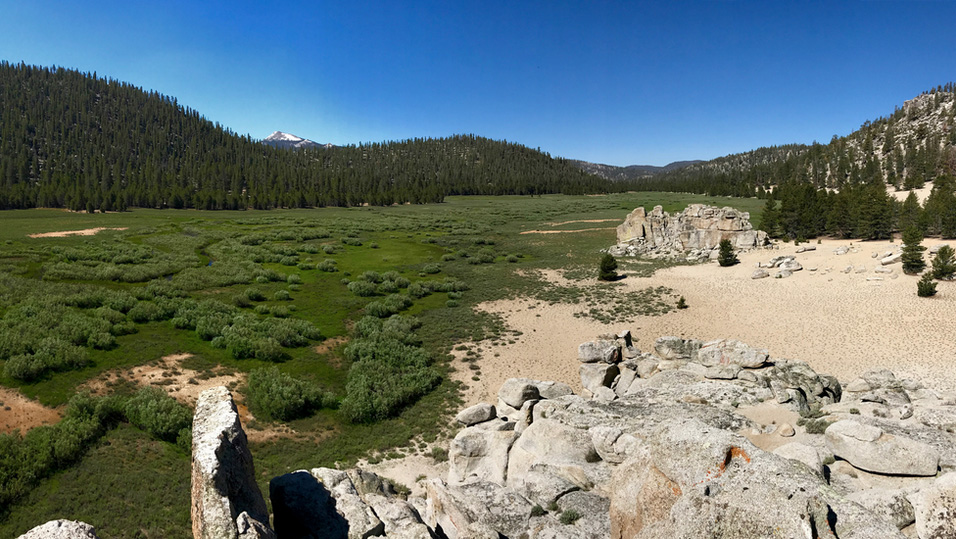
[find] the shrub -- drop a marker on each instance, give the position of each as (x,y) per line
(327,265)
(254,294)
(280,396)
(294,279)
(240,300)
(363,289)
(385,376)
(439,454)
(513,259)
(926,287)
(328,249)
(570,516)
(371,276)
(387,287)
(682,303)
(162,416)
(608,268)
(537,511)
(726,255)
(281,295)
(416,290)
(431,269)
(280,311)
(354,242)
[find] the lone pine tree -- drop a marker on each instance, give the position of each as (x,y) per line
(913,251)
(727,256)
(608,269)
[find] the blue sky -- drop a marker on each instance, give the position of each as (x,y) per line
(611,82)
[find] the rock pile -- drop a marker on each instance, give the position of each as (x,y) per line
(692,439)
(694,233)
(662,446)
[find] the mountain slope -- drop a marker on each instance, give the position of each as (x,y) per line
(631,172)
(69,139)
(914,144)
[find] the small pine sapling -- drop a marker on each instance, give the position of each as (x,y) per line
(727,256)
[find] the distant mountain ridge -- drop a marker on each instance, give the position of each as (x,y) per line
(630,172)
(278,139)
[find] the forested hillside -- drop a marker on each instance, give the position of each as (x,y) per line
(913,145)
(74,140)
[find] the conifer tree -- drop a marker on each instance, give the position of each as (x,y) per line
(726,256)
(944,263)
(608,269)
(926,287)
(913,251)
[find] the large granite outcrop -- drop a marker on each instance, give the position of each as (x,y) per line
(662,444)
(696,231)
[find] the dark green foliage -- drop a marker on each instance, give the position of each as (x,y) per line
(944,263)
(770,221)
(78,142)
(389,370)
(913,251)
(926,287)
(607,270)
(160,415)
(726,255)
(279,396)
(569,517)
(363,288)
(537,511)
(46,449)
(682,303)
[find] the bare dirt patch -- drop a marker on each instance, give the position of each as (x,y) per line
(331,344)
(567,231)
(583,221)
(185,385)
(19,412)
(65,233)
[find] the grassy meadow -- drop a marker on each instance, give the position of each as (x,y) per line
(336,325)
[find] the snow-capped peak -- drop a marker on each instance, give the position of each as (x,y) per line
(279,135)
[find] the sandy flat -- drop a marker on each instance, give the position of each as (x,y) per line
(19,412)
(84,232)
(840,323)
(921,194)
(565,231)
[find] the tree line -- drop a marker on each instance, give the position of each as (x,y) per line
(796,210)
(75,140)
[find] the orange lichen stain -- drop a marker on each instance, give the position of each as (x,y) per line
(676,490)
(734,452)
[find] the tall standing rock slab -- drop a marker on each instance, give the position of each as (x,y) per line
(226,501)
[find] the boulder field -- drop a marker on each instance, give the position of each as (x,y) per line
(689,440)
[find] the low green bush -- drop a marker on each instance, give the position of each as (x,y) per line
(279,396)
(160,415)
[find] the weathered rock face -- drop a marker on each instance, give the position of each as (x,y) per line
(699,228)
(226,501)
(61,529)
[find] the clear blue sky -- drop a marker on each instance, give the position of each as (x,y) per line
(612,82)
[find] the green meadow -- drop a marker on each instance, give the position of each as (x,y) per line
(339,321)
